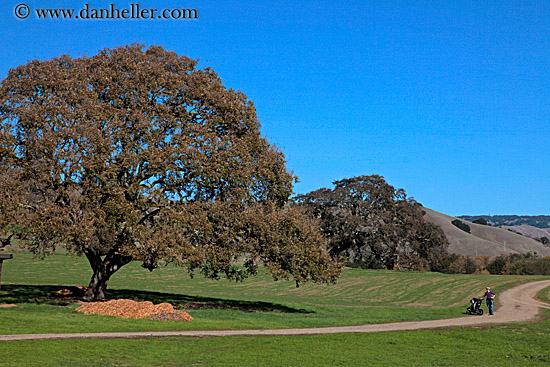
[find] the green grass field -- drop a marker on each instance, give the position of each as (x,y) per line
(361,296)
(508,345)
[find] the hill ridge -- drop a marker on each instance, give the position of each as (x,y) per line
(483,239)
(538,221)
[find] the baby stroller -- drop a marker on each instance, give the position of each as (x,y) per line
(475,307)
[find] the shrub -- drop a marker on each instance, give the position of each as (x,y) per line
(531,266)
(460,224)
(498,265)
(482,262)
(463,265)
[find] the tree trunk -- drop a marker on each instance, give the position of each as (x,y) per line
(98,285)
(103,270)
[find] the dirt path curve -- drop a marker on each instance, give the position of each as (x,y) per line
(517,304)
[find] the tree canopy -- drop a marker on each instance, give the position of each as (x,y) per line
(136,154)
(376,225)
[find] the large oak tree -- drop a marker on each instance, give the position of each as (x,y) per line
(376,225)
(136,154)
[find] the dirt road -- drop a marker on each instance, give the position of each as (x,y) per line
(515,305)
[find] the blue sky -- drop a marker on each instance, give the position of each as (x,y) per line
(449,100)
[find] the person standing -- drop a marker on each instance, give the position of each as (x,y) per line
(490,297)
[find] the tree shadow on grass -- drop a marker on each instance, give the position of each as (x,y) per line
(63,296)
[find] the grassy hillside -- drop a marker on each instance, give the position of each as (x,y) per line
(538,221)
(484,240)
(530,231)
(360,297)
(528,225)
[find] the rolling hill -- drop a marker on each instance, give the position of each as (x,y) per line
(533,226)
(538,221)
(530,231)
(483,240)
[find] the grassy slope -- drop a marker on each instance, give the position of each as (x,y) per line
(368,296)
(530,231)
(360,297)
(488,240)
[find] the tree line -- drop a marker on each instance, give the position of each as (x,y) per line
(505,264)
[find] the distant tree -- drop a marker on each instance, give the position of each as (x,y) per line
(499,265)
(463,265)
(482,262)
(445,263)
(482,221)
(135,154)
(544,240)
(373,223)
(460,224)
